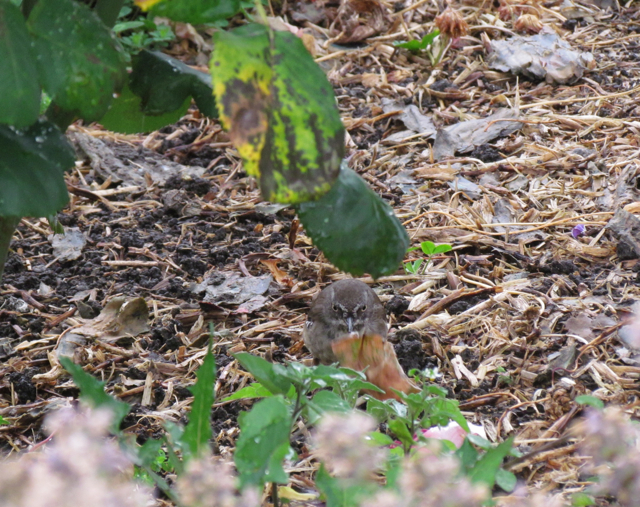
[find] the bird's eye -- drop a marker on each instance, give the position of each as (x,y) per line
(364,308)
(335,308)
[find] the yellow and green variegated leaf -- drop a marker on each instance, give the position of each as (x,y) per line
(280,111)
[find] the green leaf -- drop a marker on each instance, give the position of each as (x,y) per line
(586,399)
(79,62)
(164,84)
(263,443)
(125,115)
(264,372)
(55,225)
(379,410)
(196,12)
(92,392)
(428,247)
(582,500)
(355,229)
(148,452)
(487,466)
(468,455)
(280,111)
(400,430)
(4,422)
(197,433)
(380,439)
(32,163)
(339,493)
(442,249)
(19,88)
(255,390)
(418,45)
(324,402)
(506,480)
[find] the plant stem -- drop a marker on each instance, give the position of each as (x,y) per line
(7,227)
(274,494)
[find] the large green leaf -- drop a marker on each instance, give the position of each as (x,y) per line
(79,62)
(92,392)
(192,11)
(355,229)
(164,84)
(280,111)
(19,88)
(269,375)
(32,163)
(197,434)
(263,443)
(125,115)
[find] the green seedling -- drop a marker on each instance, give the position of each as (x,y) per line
(416,46)
(428,248)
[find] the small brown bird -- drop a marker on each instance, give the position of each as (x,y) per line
(344,307)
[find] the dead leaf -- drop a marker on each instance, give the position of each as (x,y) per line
(376,357)
(280,276)
(541,56)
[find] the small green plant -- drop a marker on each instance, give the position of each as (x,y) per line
(428,248)
(136,31)
(416,46)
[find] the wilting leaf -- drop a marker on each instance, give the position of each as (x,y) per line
(280,111)
(79,62)
(31,170)
(355,228)
(19,88)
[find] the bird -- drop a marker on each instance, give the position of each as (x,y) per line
(344,307)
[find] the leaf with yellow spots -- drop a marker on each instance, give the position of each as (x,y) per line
(280,111)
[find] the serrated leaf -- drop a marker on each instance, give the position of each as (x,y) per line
(280,111)
(164,84)
(263,443)
(19,88)
(355,229)
(264,372)
(79,62)
(92,392)
(125,115)
(192,11)
(32,163)
(197,433)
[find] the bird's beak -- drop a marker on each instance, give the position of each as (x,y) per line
(350,324)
